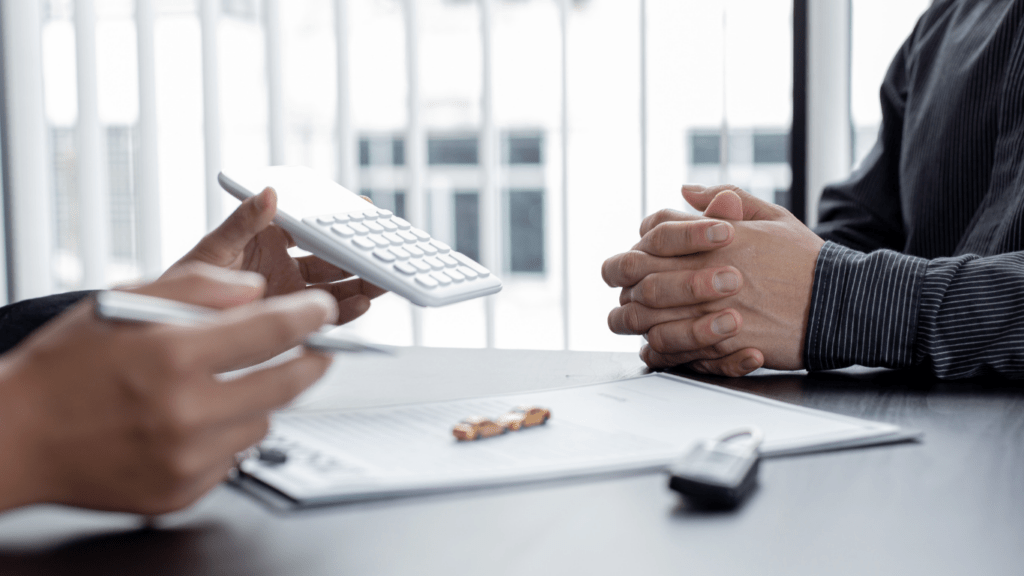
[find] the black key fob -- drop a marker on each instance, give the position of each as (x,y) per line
(720,473)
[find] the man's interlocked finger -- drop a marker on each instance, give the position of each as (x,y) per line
(685,238)
(686,287)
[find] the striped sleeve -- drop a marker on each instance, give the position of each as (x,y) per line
(971,317)
(960,316)
(864,308)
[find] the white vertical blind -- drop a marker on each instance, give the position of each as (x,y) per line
(348,172)
(643,108)
(563,12)
(490,196)
(94,198)
(209,17)
(147,183)
(275,86)
(723,130)
(415,140)
(829,139)
(31,206)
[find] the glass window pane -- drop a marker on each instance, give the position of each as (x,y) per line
(467,223)
(771,148)
(706,148)
(453,150)
(523,149)
(526,230)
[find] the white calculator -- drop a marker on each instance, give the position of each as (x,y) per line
(331,222)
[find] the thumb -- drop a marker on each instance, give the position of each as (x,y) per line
(753,208)
(725,206)
(221,246)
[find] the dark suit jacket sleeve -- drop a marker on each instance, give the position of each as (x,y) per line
(871,305)
(20,319)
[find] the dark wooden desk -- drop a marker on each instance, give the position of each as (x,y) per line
(953,504)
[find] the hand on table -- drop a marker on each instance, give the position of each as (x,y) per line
(131,417)
(248,240)
(723,307)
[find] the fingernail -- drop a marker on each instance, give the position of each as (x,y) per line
(263,199)
(750,364)
(718,233)
(723,325)
(694,188)
(726,282)
(326,301)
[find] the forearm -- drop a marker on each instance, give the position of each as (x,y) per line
(958,316)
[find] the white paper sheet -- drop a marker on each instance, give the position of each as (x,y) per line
(634,424)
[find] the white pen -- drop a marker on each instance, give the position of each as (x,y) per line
(112,305)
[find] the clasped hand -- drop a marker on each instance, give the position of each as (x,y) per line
(725,293)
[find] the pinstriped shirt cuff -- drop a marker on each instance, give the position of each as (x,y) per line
(864,309)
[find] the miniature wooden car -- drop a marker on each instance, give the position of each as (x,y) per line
(477,427)
(524,417)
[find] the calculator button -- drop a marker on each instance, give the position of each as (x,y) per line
(414,250)
(408,236)
(341,218)
(420,265)
(467,272)
(441,246)
(379,240)
(359,228)
(325,220)
(420,234)
(384,255)
(394,238)
(405,268)
(343,230)
(400,253)
(441,278)
(355,217)
(466,260)
(388,225)
(370,215)
(426,281)
(401,223)
(428,249)
(363,243)
(434,263)
(448,260)
(455,275)
(373,227)
(384,213)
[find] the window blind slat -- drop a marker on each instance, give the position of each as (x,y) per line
(147,184)
(209,14)
(490,196)
(94,199)
(26,171)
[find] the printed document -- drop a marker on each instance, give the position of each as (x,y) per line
(640,423)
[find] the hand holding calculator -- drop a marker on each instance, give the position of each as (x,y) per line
(331,222)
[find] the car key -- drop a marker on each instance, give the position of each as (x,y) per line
(719,473)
